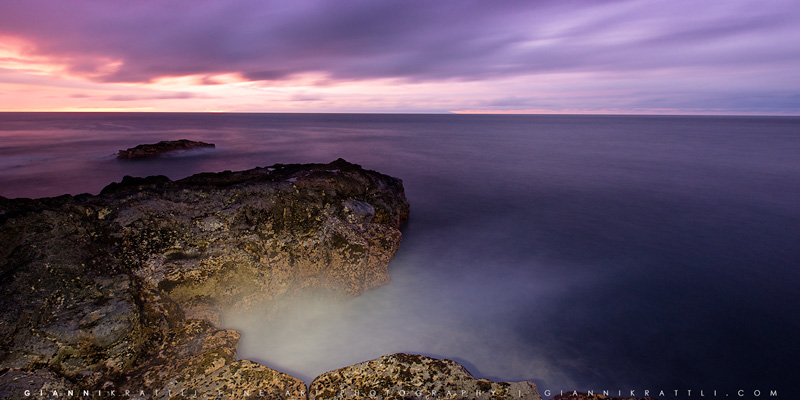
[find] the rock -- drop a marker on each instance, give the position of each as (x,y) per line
(99,291)
(405,376)
(200,361)
(358,211)
(66,306)
(156,149)
(32,384)
(122,291)
(236,239)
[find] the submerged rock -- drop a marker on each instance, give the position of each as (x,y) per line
(406,376)
(165,146)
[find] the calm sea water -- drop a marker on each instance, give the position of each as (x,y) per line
(589,252)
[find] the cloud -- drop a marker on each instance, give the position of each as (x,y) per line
(163,96)
(306,97)
(654,46)
(415,40)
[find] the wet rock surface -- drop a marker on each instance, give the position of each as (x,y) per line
(156,149)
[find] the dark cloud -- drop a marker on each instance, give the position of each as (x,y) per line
(414,40)
(513,101)
(266,75)
(163,96)
(306,97)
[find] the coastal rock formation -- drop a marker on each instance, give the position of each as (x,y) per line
(101,291)
(165,146)
(235,239)
(405,376)
(119,294)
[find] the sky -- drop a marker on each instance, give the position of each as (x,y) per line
(411,56)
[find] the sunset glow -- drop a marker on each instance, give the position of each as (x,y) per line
(623,57)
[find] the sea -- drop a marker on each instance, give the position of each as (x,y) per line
(609,253)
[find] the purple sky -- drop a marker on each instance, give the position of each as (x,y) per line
(676,56)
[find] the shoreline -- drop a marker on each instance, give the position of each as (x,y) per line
(152,255)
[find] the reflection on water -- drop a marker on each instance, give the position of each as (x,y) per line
(603,252)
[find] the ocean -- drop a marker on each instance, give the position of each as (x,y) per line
(582,252)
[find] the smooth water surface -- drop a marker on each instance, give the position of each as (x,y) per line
(589,252)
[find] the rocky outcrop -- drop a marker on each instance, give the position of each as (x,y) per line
(234,239)
(165,146)
(104,291)
(121,292)
(405,376)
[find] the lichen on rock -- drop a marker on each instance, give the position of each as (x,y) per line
(407,376)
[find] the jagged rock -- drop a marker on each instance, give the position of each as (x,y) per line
(200,361)
(165,146)
(96,290)
(405,376)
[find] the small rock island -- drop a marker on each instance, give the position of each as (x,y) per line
(122,291)
(162,147)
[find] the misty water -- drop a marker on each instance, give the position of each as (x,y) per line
(580,252)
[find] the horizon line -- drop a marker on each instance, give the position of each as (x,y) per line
(469,112)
